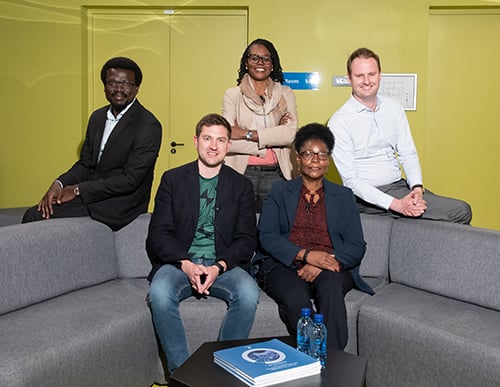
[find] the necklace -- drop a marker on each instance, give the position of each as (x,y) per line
(311,198)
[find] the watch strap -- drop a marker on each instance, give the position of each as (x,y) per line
(221,268)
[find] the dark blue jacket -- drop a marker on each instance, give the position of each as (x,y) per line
(344,226)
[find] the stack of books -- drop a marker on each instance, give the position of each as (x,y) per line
(266,363)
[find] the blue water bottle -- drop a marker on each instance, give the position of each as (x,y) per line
(318,339)
(303,330)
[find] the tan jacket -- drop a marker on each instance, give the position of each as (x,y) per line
(262,117)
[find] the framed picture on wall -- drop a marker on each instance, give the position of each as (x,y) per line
(401,87)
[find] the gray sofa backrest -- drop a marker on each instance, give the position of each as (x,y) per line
(453,260)
(45,259)
(377,234)
(133,261)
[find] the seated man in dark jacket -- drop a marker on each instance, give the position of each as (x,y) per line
(202,228)
(111,182)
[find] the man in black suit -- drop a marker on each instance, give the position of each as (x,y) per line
(111,182)
(203,226)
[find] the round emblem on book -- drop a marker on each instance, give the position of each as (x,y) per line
(263,355)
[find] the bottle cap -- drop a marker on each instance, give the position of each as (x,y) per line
(306,311)
(318,318)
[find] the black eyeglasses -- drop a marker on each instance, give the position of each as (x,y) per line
(309,155)
(254,59)
(125,84)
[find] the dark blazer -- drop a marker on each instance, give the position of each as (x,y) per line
(344,226)
(118,187)
(175,217)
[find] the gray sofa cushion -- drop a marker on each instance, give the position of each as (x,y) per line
(10,216)
(353,301)
(415,338)
(98,336)
(450,259)
(377,232)
(133,261)
(38,263)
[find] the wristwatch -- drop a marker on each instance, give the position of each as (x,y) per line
(418,186)
(221,268)
(76,190)
(249,135)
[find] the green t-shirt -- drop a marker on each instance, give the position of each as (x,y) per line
(203,245)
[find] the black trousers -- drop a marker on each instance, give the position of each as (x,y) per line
(292,293)
(73,208)
(262,179)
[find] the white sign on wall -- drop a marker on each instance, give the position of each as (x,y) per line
(401,87)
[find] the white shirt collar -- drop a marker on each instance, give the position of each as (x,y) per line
(111,116)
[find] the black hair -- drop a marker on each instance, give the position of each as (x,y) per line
(277,73)
(314,131)
(122,63)
(213,119)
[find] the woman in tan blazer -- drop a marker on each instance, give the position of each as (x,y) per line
(263,114)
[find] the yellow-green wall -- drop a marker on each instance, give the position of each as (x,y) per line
(44,104)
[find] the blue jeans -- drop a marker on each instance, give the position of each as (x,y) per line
(170,286)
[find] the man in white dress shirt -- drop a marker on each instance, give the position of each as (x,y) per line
(374,145)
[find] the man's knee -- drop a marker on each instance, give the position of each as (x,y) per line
(32,215)
(249,292)
(449,210)
(241,289)
(157,299)
(161,292)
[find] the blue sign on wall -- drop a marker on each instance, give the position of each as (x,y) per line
(302,81)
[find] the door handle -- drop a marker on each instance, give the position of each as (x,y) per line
(173,144)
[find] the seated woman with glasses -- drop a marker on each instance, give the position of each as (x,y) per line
(312,241)
(263,115)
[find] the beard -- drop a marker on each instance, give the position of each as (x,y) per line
(118,101)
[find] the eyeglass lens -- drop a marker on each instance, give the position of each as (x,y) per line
(112,83)
(308,155)
(254,59)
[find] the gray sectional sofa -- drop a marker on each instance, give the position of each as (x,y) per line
(438,321)
(73,306)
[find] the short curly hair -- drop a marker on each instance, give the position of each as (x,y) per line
(124,63)
(314,131)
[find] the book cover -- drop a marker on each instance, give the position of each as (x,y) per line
(266,363)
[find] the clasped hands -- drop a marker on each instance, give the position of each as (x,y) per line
(317,261)
(201,277)
(412,205)
(55,195)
